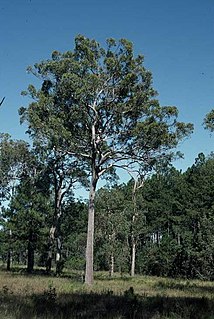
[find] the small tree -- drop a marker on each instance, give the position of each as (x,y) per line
(99,104)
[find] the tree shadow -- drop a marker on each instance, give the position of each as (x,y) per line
(19,271)
(186,286)
(105,305)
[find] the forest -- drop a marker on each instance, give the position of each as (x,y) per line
(93,112)
(163,229)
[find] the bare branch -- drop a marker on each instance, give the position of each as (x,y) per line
(75,154)
(2,101)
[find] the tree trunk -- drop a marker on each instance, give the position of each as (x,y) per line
(89,276)
(49,261)
(9,259)
(50,250)
(133,236)
(57,231)
(112,243)
(54,236)
(158,238)
(111,269)
(59,261)
(30,255)
(9,253)
(133,256)
(179,239)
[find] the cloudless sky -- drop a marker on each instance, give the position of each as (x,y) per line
(175,36)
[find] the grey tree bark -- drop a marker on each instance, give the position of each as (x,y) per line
(89,277)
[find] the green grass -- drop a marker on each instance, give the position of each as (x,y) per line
(38,296)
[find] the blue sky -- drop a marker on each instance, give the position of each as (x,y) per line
(175,36)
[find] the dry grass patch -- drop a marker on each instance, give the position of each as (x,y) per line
(38,296)
(155,286)
(146,286)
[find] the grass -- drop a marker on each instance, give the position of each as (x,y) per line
(38,296)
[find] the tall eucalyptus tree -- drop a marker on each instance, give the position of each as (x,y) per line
(98,105)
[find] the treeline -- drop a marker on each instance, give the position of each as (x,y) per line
(94,112)
(169,224)
(166,226)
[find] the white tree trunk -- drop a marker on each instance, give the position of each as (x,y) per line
(111,269)
(89,276)
(133,256)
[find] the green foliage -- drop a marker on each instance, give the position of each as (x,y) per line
(180,221)
(200,217)
(13,156)
(108,89)
(209,121)
(174,223)
(27,215)
(111,229)
(74,229)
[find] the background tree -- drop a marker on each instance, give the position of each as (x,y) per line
(200,218)
(163,196)
(64,174)
(100,106)
(13,157)
(14,154)
(28,210)
(63,170)
(209,121)
(74,232)
(112,230)
(135,216)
